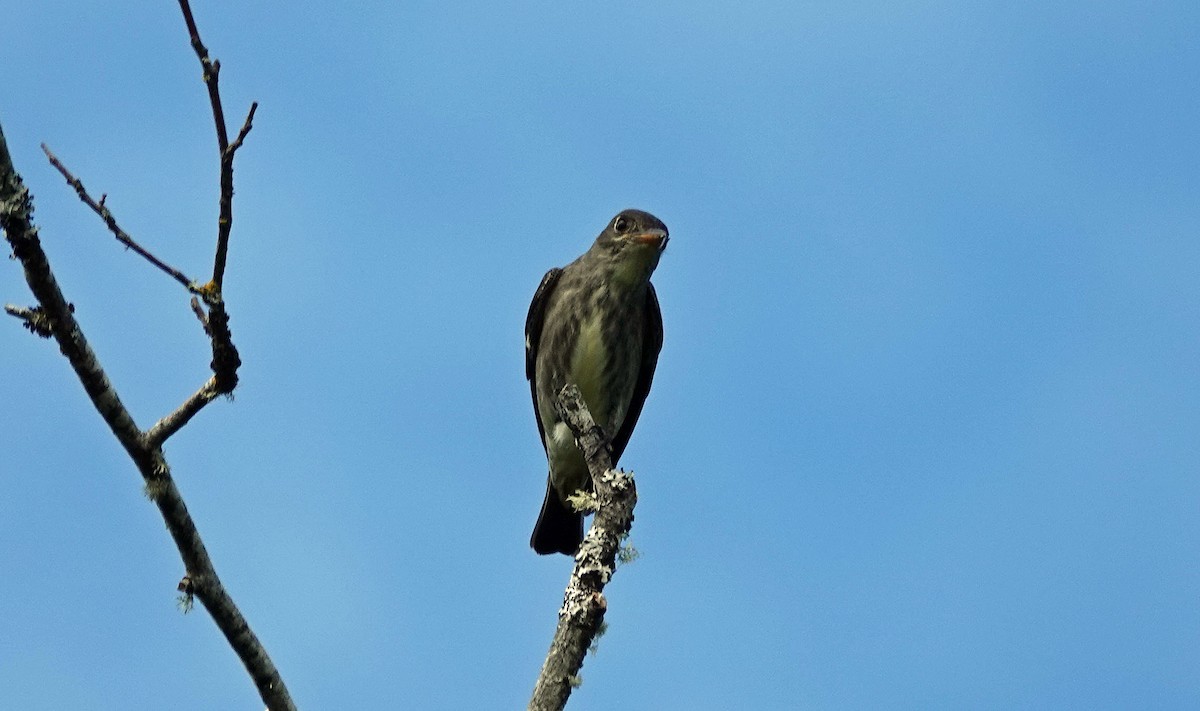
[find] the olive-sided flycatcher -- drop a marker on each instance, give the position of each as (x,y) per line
(594,323)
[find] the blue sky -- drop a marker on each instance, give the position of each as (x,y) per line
(924,430)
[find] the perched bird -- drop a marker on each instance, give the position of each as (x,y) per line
(594,323)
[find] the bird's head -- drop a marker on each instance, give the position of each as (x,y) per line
(634,239)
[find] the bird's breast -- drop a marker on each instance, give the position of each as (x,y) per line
(588,361)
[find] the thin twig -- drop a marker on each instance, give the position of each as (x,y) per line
(246,126)
(105,214)
(201,316)
(212,74)
(225,220)
(584,605)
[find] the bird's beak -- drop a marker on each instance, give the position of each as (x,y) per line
(655,237)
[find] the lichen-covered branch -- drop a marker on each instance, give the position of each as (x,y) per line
(583,608)
(34,319)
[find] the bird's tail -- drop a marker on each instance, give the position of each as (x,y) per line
(559,529)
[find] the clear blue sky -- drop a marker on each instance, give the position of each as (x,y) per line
(925,429)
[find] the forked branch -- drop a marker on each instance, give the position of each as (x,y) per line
(212,77)
(54,317)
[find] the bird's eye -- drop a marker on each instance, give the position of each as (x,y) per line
(622,224)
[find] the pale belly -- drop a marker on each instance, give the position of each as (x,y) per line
(589,362)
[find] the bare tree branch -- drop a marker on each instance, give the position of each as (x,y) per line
(122,236)
(225,221)
(16,209)
(583,607)
(212,72)
(175,421)
(225,360)
(54,317)
(212,76)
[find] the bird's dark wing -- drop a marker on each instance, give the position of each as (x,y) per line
(533,335)
(652,340)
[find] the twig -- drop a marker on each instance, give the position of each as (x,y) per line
(584,605)
(212,75)
(105,214)
(225,220)
(201,316)
(34,319)
(246,126)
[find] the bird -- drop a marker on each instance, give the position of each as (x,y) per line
(595,323)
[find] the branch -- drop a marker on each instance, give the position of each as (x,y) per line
(246,126)
(34,319)
(201,316)
(16,210)
(54,317)
(105,214)
(16,213)
(225,221)
(175,421)
(583,607)
(226,361)
(212,74)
